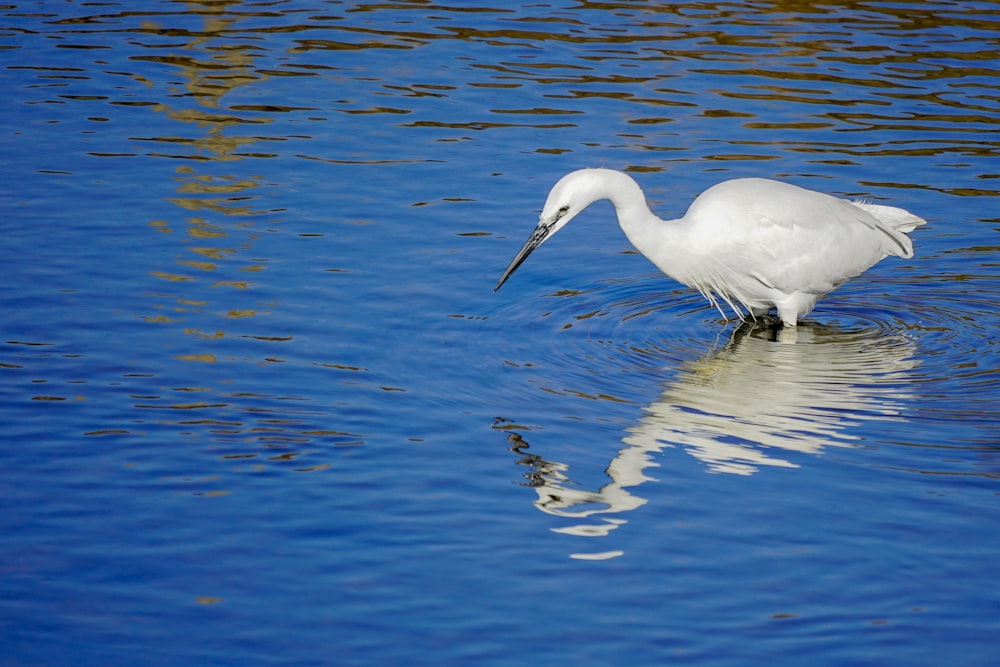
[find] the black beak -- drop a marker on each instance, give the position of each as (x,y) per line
(540,234)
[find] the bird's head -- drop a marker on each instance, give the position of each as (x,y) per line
(573,193)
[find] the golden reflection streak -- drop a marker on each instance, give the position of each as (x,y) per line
(209,74)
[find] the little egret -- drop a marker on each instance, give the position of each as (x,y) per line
(754,243)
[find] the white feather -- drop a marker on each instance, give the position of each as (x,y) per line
(751,243)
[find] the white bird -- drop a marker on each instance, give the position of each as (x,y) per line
(753,243)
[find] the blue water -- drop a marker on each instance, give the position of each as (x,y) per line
(261,405)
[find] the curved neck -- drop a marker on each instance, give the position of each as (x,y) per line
(644,230)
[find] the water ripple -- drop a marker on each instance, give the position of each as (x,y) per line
(247,241)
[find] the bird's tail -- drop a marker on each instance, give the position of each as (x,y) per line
(896,218)
(897,223)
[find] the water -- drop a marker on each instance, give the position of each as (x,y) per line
(262,407)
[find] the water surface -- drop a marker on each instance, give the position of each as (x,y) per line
(262,406)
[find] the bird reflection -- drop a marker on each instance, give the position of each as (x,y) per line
(753,402)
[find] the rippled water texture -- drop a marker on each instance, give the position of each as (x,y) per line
(261,405)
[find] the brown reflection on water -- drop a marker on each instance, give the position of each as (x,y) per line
(840,67)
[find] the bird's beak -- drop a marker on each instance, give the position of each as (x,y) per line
(544,229)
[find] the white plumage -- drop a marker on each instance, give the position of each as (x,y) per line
(752,243)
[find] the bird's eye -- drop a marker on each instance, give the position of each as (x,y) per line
(563,211)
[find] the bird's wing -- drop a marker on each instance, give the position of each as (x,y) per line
(786,237)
